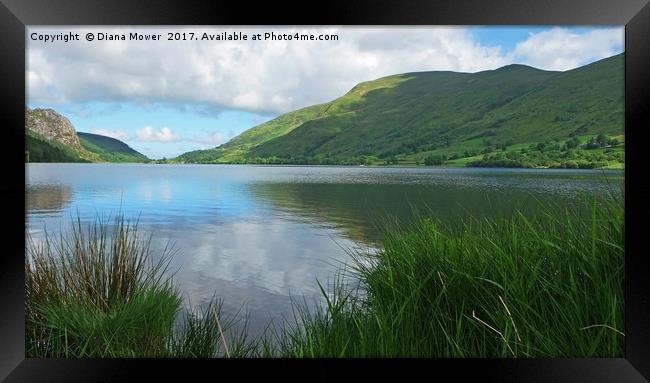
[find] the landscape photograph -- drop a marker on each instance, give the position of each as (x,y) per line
(319,192)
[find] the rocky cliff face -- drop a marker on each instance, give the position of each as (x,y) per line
(53,126)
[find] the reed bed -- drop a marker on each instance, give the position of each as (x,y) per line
(547,284)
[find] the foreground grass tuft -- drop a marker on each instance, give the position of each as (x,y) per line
(98,293)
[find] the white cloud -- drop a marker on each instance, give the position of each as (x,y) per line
(118,134)
(561,49)
(262,77)
(275,77)
(209,140)
(212,139)
(150,134)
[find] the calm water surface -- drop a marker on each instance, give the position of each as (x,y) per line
(258,235)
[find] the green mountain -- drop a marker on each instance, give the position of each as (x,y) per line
(410,117)
(40,149)
(110,149)
(50,137)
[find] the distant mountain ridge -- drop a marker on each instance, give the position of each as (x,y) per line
(110,149)
(51,137)
(414,115)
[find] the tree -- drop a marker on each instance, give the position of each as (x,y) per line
(369,160)
(573,143)
(434,159)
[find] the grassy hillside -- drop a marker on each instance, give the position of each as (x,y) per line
(110,149)
(39,149)
(51,137)
(409,117)
(238,148)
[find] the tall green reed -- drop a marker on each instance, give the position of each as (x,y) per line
(548,284)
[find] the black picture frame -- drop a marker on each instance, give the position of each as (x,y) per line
(16,14)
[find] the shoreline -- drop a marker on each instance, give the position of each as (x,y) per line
(336,166)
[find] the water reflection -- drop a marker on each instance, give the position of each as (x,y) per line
(44,199)
(358,209)
(255,264)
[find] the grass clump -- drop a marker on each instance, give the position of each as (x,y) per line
(203,333)
(546,285)
(97,293)
(100,293)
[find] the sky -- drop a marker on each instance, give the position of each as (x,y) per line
(164,98)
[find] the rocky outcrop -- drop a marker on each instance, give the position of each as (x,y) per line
(53,126)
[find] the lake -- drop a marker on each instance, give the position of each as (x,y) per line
(259,236)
